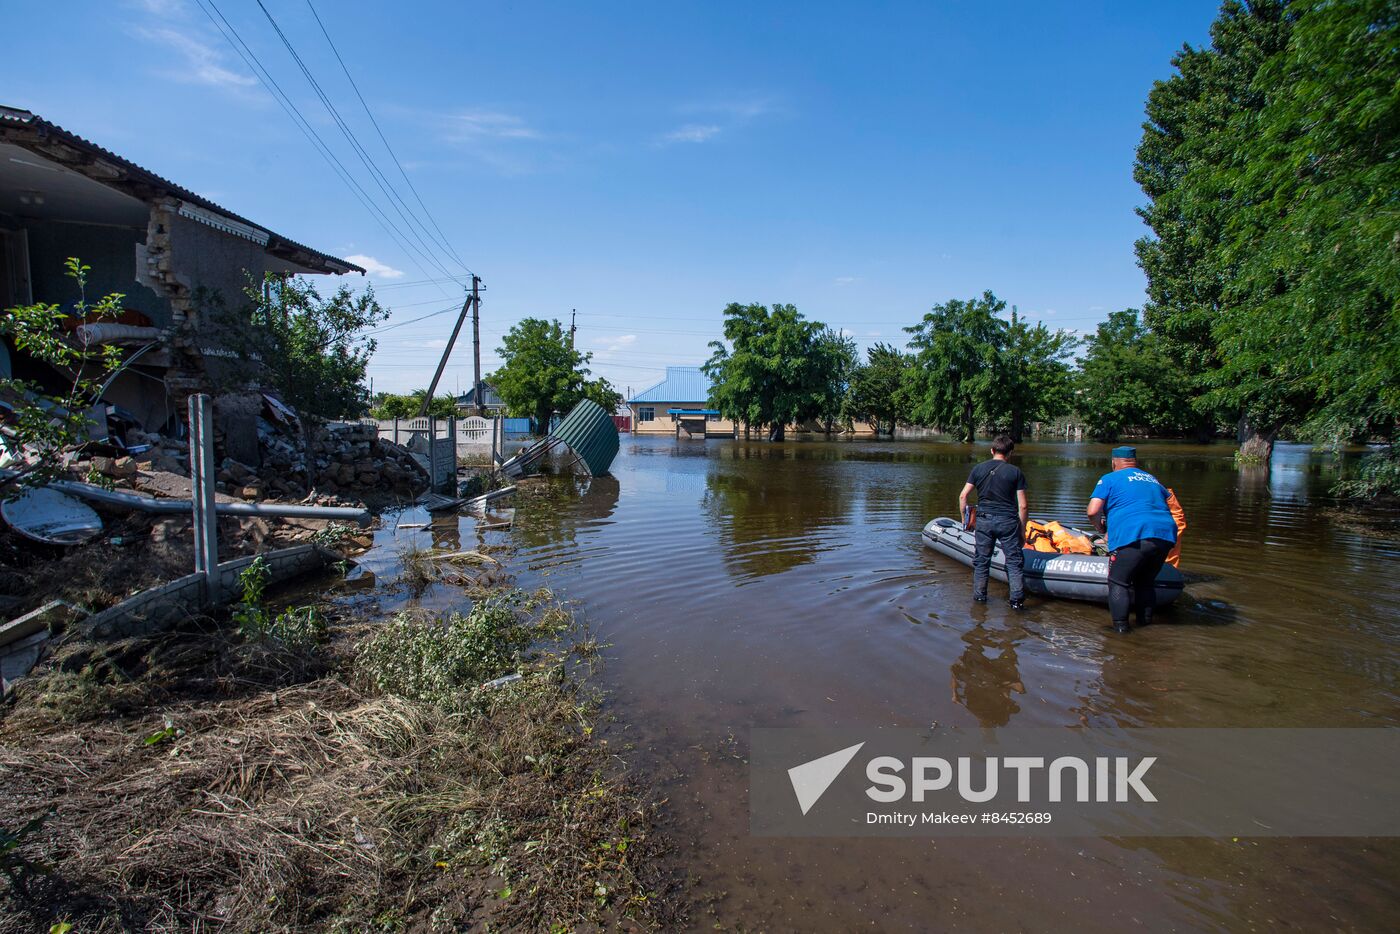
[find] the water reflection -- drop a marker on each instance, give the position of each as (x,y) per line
(559,510)
(774,519)
(986,677)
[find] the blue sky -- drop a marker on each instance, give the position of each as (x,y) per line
(649,163)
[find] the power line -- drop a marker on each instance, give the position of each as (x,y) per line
(377,176)
(250,58)
(390,327)
(392,155)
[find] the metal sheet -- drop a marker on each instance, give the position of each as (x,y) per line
(590,433)
(51,517)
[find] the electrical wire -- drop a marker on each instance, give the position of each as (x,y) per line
(442,237)
(249,57)
(395,201)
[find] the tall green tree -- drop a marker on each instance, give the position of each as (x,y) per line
(1127,381)
(1193,129)
(838,359)
(543,374)
(770,374)
(877,392)
(956,349)
(1034,376)
(312,349)
(1311,324)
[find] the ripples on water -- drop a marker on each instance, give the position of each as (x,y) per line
(750,584)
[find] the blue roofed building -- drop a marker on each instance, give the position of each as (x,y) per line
(679,405)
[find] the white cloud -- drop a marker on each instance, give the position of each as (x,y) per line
(161,7)
(692,133)
(872,333)
(374,267)
(473,125)
(205,63)
(612,344)
(736,108)
(845,280)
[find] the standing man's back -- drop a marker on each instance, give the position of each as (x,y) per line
(1001,518)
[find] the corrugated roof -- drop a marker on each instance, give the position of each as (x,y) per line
(33,132)
(682,384)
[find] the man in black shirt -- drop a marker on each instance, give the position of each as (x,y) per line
(1001,517)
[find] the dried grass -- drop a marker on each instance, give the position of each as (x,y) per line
(321,805)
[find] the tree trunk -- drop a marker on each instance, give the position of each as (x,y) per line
(777,432)
(1256,442)
(969,423)
(1018,426)
(308,459)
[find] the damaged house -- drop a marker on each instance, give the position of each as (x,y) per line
(177,258)
(168,250)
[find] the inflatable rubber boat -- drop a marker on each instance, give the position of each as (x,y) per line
(1073,577)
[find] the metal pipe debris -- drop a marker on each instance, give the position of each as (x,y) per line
(186,507)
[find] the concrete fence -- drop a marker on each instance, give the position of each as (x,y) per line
(472,436)
(166,606)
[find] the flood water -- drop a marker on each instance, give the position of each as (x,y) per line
(761,585)
(747,584)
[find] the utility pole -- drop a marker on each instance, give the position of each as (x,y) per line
(573,326)
(476,348)
(470,302)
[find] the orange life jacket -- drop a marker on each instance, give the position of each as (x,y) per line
(1179,516)
(1051,537)
(1039,537)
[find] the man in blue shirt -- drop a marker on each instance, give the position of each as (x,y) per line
(1141,532)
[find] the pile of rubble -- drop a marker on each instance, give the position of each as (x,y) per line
(347,459)
(263,457)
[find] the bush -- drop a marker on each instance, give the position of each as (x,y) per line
(442,661)
(1378,475)
(298,628)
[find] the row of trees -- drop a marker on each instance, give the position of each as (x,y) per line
(1271,161)
(1271,164)
(966,367)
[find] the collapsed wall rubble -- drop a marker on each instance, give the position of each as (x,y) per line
(347,460)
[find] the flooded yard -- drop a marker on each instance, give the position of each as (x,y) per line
(742,585)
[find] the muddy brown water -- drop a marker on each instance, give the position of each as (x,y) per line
(751,584)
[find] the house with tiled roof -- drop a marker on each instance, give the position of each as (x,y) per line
(679,405)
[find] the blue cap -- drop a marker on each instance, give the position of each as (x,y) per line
(1125,452)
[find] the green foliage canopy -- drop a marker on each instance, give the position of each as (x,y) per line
(773,372)
(877,389)
(542,374)
(392,405)
(311,348)
(1310,328)
(1126,380)
(1192,131)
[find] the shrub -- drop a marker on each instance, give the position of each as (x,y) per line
(1378,475)
(298,628)
(441,661)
